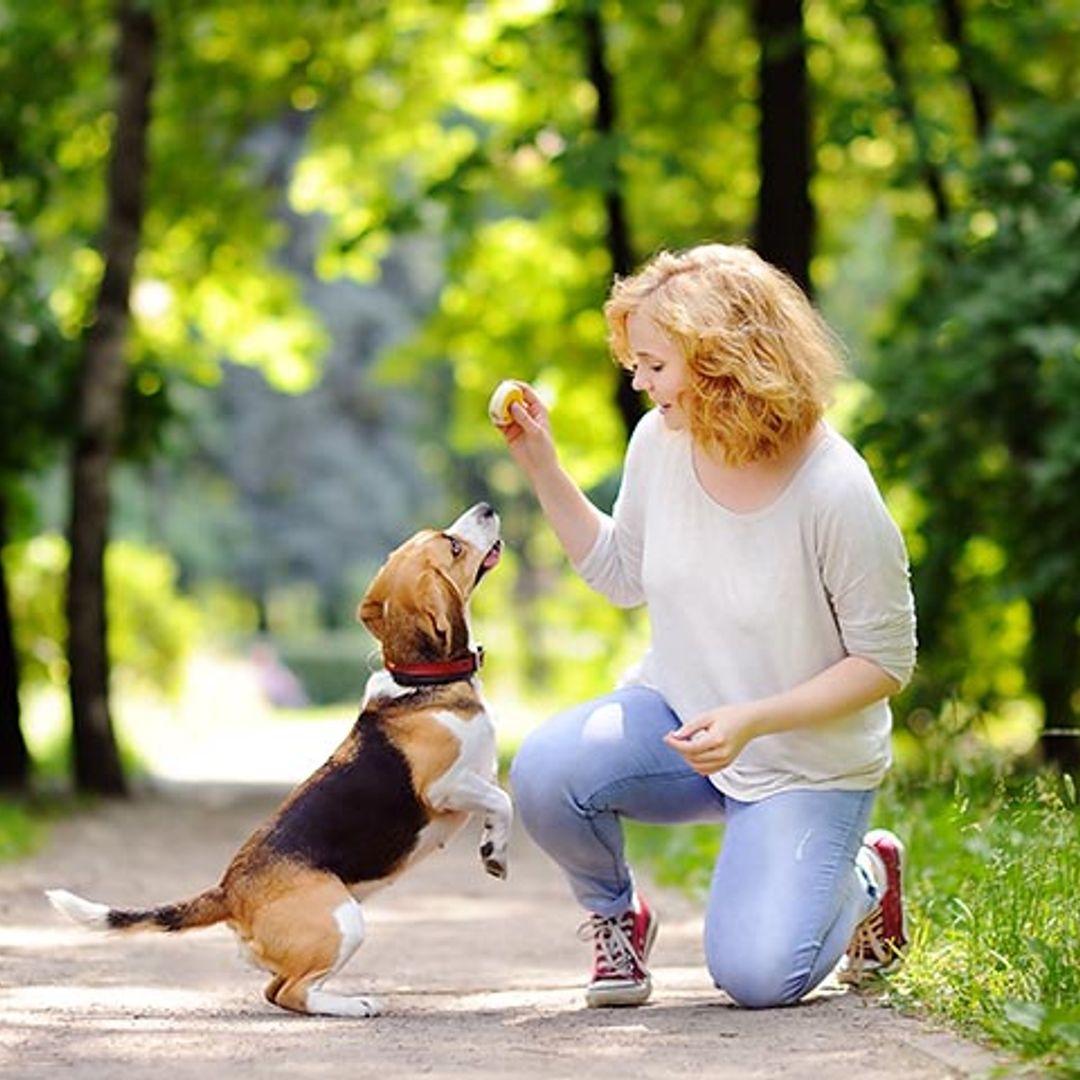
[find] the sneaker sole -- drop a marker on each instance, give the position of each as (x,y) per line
(617,994)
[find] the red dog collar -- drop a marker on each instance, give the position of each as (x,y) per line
(438,672)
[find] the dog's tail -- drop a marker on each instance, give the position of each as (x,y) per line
(206,909)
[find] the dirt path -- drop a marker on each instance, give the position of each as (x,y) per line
(477,978)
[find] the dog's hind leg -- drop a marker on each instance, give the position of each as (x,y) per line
(273,987)
(305,937)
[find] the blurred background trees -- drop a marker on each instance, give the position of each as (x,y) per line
(359,216)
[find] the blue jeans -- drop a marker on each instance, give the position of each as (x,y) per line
(785,893)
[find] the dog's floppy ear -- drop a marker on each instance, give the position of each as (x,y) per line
(440,610)
(415,618)
(371,610)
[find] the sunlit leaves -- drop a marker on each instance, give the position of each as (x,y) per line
(35,364)
(209,234)
(279,341)
(151,626)
(490,327)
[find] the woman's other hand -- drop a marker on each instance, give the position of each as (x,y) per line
(713,740)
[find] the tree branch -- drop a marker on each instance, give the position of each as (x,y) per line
(955,32)
(905,101)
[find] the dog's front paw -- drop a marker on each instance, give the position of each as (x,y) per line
(494,862)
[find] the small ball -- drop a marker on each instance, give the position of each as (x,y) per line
(505,394)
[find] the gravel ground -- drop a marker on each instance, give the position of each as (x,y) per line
(477,977)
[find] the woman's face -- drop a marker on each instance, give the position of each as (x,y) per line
(659,367)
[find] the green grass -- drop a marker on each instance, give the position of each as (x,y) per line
(994,894)
(21,829)
(993,900)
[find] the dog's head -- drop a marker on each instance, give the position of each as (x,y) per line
(417,605)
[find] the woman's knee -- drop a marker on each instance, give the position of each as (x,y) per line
(759,975)
(574,764)
(554,759)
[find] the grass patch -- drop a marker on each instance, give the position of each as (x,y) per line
(681,857)
(993,900)
(993,892)
(25,821)
(21,831)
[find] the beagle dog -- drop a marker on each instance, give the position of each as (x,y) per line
(417,764)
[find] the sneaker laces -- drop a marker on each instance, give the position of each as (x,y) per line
(869,945)
(615,955)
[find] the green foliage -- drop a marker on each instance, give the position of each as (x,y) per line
(20,831)
(35,364)
(681,858)
(25,821)
(992,885)
(332,668)
(492,145)
(151,627)
(472,131)
(978,407)
(208,285)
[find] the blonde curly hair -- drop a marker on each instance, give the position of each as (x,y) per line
(761,360)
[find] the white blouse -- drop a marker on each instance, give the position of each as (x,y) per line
(746,605)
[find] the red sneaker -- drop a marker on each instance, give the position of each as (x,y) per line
(621,945)
(879,940)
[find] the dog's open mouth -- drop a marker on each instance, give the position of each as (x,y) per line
(490,560)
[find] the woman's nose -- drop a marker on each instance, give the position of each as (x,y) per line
(638,383)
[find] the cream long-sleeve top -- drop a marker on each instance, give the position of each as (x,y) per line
(746,605)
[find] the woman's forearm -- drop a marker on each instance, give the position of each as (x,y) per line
(849,685)
(574,519)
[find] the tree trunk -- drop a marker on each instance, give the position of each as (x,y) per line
(1053,661)
(620,250)
(14,757)
(101,382)
(784,231)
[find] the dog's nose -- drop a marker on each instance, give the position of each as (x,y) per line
(484,510)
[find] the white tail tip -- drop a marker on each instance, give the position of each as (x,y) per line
(79,910)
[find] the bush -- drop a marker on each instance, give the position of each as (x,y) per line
(19,832)
(151,626)
(333,668)
(975,425)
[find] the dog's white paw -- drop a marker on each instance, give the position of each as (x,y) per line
(495,861)
(321,1003)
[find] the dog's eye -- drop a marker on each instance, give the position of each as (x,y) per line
(455,546)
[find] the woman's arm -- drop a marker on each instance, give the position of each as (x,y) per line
(714,739)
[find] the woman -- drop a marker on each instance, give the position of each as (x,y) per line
(781,622)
